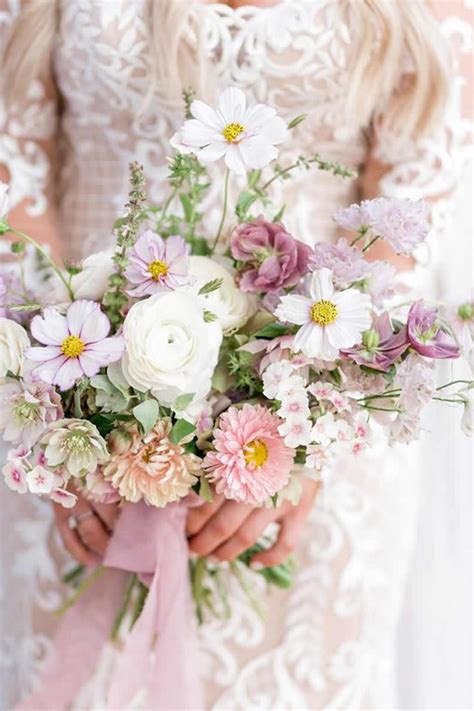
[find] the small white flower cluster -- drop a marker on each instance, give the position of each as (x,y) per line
(332,425)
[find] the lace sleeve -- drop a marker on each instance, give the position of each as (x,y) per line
(27,145)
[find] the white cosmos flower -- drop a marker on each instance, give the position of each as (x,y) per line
(329,320)
(244,136)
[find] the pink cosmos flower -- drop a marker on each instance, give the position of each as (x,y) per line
(75,345)
(380,346)
(157,264)
(274,260)
(251,461)
(426,334)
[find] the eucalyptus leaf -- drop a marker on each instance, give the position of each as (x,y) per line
(205,491)
(147,413)
(181,429)
(183,401)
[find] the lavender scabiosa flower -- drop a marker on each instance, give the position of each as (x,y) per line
(346,262)
(380,346)
(156,264)
(26,410)
(426,334)
(274,260)
(74,345)
(402,223)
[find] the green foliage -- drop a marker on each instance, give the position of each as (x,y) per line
(241,367)
(147,413)
(181,429)
(210,286)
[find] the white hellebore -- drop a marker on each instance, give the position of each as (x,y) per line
(329,320)
(170,349)
(90,283)
(232,307)
(13,343)
(244,136)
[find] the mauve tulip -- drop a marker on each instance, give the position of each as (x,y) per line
(426,335)
(380,346)
(274,259)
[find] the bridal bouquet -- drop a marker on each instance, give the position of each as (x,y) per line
(183,363)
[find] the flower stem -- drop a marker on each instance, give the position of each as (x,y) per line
(168,202)
(455,382)
(369,245)
(45,256)
(447,399)
(224,210)
(85,585)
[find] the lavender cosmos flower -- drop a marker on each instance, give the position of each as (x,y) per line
(156,264)
(426,334)
(403,223)
(274,260)
(74,345)
(380,346)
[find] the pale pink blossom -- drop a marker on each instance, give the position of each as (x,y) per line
(295,407)
(275,376)
(157,264)
(40,480)
(297,432)
(251,462)
(73,346)
(346,262)
(26,409)
(14,473)
(66,498)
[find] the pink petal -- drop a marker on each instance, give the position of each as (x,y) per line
(50,329)
(47,371)
(107,351)
(78,313)
(43,353)
(68,373)
(95,328)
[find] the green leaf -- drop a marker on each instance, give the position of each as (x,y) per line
(187,207)
(244,203)
(183,401)
(273,330)
(205,491)
(181,429)
(200,247)
(147,413)
(209,316)
(279,214)
(253,178)
(297,120)
(210,286)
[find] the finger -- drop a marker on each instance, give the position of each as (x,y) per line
(108,514)
(200,515)
(93,533)
(285,544)
(247,535)
(220,527)
(75,547)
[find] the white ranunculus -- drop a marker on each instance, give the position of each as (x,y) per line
(232,307)
(13,343)
(170,349)
(91,282)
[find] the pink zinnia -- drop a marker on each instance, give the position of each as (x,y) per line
(156,264)
(74,345)
(251,461)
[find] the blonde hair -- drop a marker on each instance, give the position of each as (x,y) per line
(388,34)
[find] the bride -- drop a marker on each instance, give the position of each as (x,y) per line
(90,85)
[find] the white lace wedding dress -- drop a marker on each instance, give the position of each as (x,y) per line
(329,642)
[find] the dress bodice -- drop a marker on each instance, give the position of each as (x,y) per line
(292,55)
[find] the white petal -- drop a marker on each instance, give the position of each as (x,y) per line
(50,329)
(78,313)
(231,105)
(258,116)
(233,159)
(43,353)
(257,152)
(343,335)
(195,133)
(309,340)
(207,115)
(320,285)
(351,300)
(294,309)
(214,151)
(68,373)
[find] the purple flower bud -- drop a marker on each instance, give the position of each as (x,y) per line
(274,260)
(380,346)
(426,334)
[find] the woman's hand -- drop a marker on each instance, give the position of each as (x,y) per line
(224,529)
(88,539)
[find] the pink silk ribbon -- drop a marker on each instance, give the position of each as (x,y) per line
(156,668)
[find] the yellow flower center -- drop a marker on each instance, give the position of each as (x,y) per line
(324,312)
(256,453)
(148,452)
(72,346)
(232,132)
(157,269)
